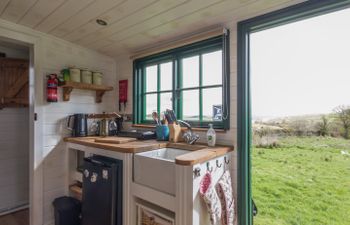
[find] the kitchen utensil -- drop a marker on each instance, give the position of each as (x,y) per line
(162,132)
(174,132)
(168,118)
(163,120)
(113,128)
(104,127)
(74,74)
(79,122)
(156,118)
(86,76)
(172,115)
(115,140)
(93,128)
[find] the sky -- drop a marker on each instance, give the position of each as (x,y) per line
(301,68)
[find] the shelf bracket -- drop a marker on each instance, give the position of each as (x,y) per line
(99,95)
(66,93)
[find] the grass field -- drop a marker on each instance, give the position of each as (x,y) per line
(305,181)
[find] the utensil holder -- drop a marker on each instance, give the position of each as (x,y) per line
(175,132)
(162,132)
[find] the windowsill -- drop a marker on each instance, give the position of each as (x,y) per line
(182,128)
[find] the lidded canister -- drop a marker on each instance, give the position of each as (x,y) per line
(86,76)
(66,75)
(97,77)
(74,74)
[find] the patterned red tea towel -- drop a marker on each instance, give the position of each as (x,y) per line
(209,195)
(224,190)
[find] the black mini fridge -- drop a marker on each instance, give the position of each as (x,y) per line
(102,202)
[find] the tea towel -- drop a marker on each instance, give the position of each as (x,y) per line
(224,190)
(209,195)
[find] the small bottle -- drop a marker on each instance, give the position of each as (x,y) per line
(211,136)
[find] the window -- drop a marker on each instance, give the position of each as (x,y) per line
(192,80)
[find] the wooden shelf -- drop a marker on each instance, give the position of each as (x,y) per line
(104,116)
(68,87)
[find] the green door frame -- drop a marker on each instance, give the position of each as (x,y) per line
(287,15)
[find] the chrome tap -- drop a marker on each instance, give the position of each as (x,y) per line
(189,136)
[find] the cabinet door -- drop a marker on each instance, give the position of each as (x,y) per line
(14,77)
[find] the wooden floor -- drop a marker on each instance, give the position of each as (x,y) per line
(16,218)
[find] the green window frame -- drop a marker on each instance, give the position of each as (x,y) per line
(176,56)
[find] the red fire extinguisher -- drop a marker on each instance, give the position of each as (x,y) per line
(52,84)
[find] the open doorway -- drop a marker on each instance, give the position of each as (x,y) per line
(297,173)
(300,76)
(14,133)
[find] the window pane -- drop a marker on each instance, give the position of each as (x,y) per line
(190,105)
(166,76)
(212,104)
(151,78)
(190,72)
(165,101)
(151,105)
(212,68)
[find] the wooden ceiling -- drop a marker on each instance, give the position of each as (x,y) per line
(132,24)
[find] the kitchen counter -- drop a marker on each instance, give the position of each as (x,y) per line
(201,153)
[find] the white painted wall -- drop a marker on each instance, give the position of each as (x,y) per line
(49,166)
(14,158)
(59,55)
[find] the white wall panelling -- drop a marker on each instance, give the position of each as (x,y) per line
(14,158)
(49,161)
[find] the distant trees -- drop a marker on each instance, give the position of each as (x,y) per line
(343,115)
(323,126)
(334,124)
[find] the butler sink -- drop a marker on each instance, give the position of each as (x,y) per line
(156,169)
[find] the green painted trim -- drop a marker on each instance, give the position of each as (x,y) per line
(179,95)
(200,89)
(176,55)
(158,88)
(226,96)
(290,14)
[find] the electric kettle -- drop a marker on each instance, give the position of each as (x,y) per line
(77,123)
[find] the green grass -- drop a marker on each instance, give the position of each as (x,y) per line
(305,181)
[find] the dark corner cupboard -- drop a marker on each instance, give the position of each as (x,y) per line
(102,202)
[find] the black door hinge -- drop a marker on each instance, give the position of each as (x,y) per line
(255,209)
(35,116)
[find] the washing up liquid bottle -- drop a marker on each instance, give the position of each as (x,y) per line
(211,136)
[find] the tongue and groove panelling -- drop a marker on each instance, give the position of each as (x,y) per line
(57,55)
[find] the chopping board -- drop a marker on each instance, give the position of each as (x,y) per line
(115,140)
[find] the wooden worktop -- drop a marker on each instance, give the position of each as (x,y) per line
(200,153)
